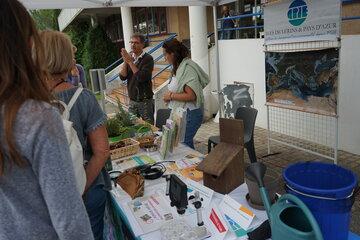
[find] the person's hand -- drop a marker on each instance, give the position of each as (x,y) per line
(74,71)
(126,56)
(123,67)
(167,96)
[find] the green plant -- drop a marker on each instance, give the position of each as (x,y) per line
(142,128)
(113,127)
(123,116)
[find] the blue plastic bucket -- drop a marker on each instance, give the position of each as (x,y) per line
(328,191)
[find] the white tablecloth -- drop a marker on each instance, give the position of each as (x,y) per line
(122,199)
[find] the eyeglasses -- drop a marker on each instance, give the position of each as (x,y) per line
(131,42)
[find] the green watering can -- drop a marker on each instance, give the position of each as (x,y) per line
(289,217)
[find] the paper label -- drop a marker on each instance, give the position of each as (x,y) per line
(216,221)
(237,212)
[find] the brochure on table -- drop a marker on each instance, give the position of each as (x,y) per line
(186,167)
(213,204)
(183,155)
(234,212)
(215,223)
(151,212)
(131,162)
(234,231)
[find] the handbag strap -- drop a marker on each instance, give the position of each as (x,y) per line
(74,98)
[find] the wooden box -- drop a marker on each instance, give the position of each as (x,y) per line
(223,168)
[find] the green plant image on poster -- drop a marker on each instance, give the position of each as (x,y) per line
(305,81)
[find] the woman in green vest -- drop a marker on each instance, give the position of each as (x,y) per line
(185,87)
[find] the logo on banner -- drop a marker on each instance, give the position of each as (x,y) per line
(298,12)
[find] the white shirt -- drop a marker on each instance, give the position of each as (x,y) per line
(172,86)
(136,59)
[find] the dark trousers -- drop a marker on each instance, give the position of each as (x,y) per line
(229,34)
(143,109)
(95,201)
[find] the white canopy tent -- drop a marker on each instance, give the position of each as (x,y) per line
(62,4)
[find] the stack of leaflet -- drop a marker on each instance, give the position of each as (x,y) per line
(179,117)
(132,162)
(168,138)
(186,167)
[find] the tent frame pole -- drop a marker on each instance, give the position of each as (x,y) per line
(217,64)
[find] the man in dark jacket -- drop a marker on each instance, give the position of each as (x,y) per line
(227,23)
(137,70)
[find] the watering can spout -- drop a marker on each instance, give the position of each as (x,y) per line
(257,171)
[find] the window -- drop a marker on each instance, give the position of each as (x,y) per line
(244,27)
(149,20)
(113,27)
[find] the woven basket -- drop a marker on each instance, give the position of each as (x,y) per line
(147,140)
(131,147)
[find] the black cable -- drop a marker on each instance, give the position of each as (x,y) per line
(153,171)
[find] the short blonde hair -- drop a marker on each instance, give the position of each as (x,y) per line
(59,52)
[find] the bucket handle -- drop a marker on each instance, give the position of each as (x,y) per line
(353,193)
(307,212)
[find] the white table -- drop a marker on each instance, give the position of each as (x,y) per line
(121,199)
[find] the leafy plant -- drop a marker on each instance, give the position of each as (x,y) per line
(114,127)
(123,116)
(122,126)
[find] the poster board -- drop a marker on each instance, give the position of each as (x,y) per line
(239,94)
(303,81)
(291,21)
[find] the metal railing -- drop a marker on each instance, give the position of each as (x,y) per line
(161,71)
(158,58)
(261,13)
(351,18)
(241,16)
(349,1)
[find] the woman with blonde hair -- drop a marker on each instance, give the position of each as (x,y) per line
(89,123)
(77,73)
(38,195)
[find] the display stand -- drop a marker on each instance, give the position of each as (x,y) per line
(315,133)
(290,119)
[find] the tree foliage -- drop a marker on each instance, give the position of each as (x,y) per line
(99,52)
(78,33)
(46,19)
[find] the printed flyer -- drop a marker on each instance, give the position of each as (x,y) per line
(215,223)
(239,214)
(151,212)
(124,164)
